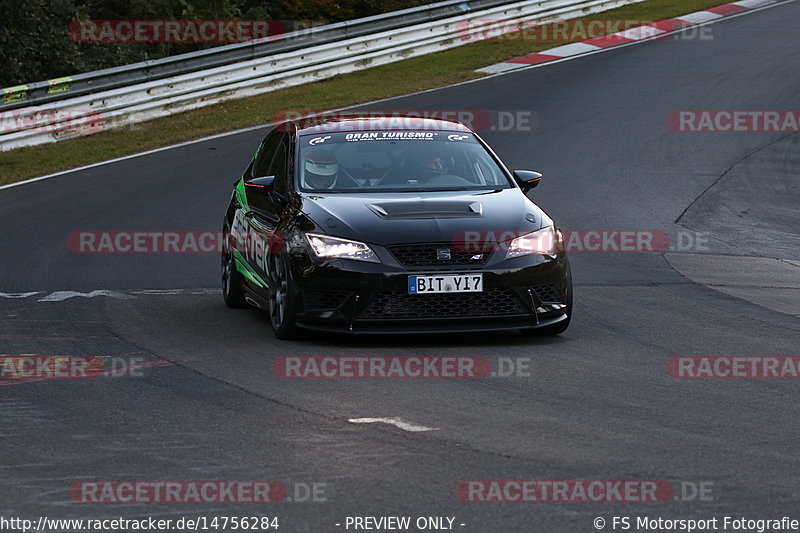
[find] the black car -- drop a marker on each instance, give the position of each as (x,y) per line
(380,225)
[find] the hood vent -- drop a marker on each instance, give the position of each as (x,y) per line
(427,209)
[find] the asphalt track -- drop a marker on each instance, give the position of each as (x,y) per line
(598,404)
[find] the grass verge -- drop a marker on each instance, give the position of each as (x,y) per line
(411,75)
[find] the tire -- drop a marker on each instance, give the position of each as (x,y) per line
(282,305)
(232,279)
(555,329)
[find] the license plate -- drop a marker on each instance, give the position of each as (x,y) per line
(445,283)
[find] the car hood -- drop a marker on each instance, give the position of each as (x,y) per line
(423,217)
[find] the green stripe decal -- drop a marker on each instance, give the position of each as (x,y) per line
(246,271)
(241,196)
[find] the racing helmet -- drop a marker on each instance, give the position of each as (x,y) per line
(429,162)
(320,168)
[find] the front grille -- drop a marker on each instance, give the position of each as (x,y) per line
(396,304)
(324,299)
(435,254)
(549,293)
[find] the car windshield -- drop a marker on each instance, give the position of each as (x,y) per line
(398,161)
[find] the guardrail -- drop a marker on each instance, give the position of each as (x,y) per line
(136,102)
(43,92)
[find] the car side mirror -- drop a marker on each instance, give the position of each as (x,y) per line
(527,179)
(262,184)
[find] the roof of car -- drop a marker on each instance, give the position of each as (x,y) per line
(337,124)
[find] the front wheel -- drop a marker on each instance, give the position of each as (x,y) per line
(282,306)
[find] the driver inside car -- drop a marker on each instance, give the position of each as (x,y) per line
(320,169)
(429,163)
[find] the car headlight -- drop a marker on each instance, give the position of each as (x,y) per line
(546,241)
(329,247)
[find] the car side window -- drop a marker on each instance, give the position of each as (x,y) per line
(279,165)
(265,154)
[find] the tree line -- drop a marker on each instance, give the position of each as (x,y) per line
(36,42)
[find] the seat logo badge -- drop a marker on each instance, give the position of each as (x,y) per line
(443,254)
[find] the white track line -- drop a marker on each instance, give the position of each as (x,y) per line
(396,422)
(17,295)
(60,296)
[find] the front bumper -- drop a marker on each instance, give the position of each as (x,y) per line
(371,298)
